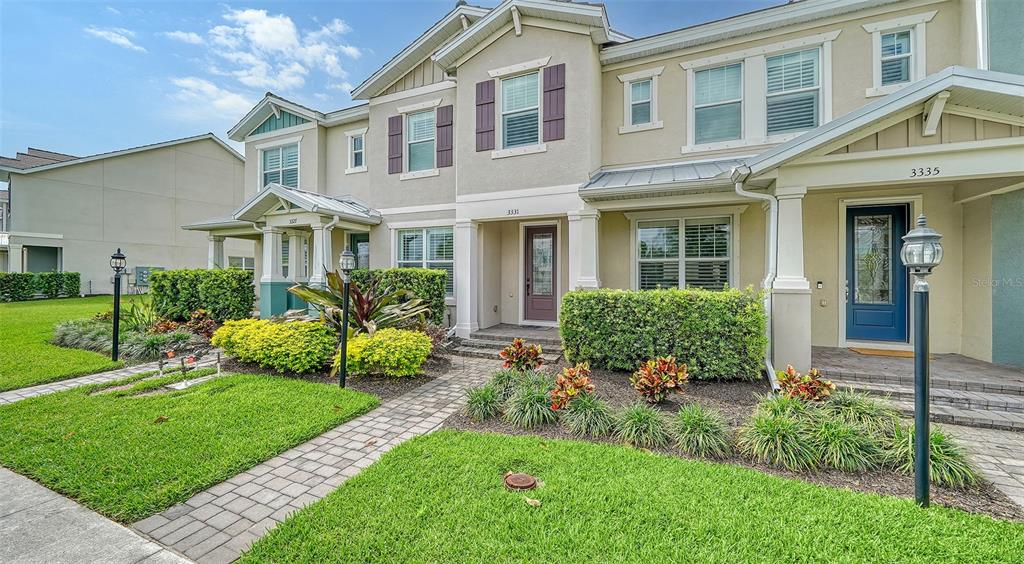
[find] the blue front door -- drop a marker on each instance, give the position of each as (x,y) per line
(876,280)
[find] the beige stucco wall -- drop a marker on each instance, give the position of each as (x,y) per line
(136,202)
(977,270)
(336,162)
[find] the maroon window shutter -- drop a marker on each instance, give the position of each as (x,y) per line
(443,123)
(485,115)
(394,144)
(554,102)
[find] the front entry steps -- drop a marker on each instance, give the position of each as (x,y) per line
(485,344)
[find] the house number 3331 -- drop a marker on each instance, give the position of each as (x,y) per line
(924,171)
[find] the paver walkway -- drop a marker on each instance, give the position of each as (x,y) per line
(218,524)
(998,455)
(39,525)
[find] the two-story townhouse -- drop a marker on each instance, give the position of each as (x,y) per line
(531,149)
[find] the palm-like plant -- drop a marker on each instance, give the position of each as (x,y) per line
(370,308)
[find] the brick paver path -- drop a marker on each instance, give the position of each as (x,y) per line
(20,394)
(218,524)
(998,455)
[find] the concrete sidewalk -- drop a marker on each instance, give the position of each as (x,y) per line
(39,525)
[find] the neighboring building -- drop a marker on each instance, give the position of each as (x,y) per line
(531,149)
(65,213)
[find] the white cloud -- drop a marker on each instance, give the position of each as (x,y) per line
(116,35)
(114,10)
(189,37)
(351,51)
(201,94)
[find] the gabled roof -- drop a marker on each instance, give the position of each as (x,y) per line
(272,104)
(591,15)
(989,91)
(421,48)
(33,157)
(273,195)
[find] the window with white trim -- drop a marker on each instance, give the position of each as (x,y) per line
(356,151)
(520,110)
(691,252)
(718,104)
(429,247)
(242,263)
(280,165)
(640,101)
(793,91)
(421,140)
(896,57)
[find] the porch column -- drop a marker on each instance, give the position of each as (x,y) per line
(215,256)
(583,249)
(296,257)
(15,258)
(467,274)
(791,293)
(273,285)
(321,255)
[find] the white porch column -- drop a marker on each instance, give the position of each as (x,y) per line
(583,249)
(296,257)
(321,255)
(15,258)
(467,277)
(215,256)
(272,250)
(791,293)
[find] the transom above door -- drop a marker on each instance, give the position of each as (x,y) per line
(876,280)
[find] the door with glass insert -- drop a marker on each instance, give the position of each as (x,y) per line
(876,280)
(540,268)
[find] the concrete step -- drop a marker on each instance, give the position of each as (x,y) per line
(498,345)
(1004,420)
(488,352)
(937,382)
(505,339)
(943,396)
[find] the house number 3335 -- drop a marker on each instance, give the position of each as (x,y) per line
(924,171)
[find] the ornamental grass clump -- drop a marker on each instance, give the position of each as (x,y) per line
(861,409)
(571,384)
(778,440)
(521,355)
(657,378)
(948,465)
(642,426)
(783,406)
(482,403)
(528,406)
(808,387)
(701,431)
(843,445)
(588,416)
(504,382)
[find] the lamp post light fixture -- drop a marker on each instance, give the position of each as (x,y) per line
(921,253)
(346,264)
(117,263)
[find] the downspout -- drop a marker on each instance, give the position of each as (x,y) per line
(739,177)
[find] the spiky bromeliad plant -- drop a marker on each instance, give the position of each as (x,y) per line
(371,307)
(949,465)
(701,431)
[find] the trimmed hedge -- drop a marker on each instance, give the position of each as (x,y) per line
(20,286)
(297,346)
(427,284)
(224,293)
(718,334)
(391,352)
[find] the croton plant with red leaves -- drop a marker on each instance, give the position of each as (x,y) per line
(656,378)
(521,356)
(808,387)
(571,384)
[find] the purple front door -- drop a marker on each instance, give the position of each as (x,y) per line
(541,273)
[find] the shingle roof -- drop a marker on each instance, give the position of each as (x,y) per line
(33,157)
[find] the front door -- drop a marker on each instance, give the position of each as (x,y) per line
(876,280)
(541,272)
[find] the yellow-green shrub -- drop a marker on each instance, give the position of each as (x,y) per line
(299,346)
(391,352)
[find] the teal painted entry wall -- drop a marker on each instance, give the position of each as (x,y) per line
(273,298)
(274,123)
(1008,278)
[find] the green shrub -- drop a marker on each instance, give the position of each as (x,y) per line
(778,440)
(641,426)
(50,284)
(861,409)
(297,346)
(843,445)
(482,403)
(17,286)
(71,283)
(427,284)
(529,405)
(948,463)
(587,415)
(224,293)
(718,334)
(391,352)
(807,387)
(700,431)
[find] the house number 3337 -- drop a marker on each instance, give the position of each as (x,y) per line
(512,212)
(924,171)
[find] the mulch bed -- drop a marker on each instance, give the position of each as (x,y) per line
(736,401)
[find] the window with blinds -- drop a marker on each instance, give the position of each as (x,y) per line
(281,165)
(684,253)
(718,104)
(896,53)
(356,160)
(432,247)
(421,140)
(640,102)
(520,110)
(793,86)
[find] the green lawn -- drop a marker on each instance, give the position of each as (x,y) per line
(26,356)
(131,456)
(440,498)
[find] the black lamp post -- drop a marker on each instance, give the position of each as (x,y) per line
(117,263)
(346,265)
(921,253)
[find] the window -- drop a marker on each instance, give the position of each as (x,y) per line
(281,165)
(700,258)
(421,141)
(896,54)
(520,110)
(432,247)
(793,88)
(640,102)
(718,101)
(284,257)
(243,263)
(359,243)
(357,152)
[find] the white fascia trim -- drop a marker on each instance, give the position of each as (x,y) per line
(278,142)
(417,209)
(283,131)
(808,41)
(347,115)
(419,174)
(905,21)
(519,67)
(521,193)
(419,106)
(418,91)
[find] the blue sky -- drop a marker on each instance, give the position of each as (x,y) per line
(90,77)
